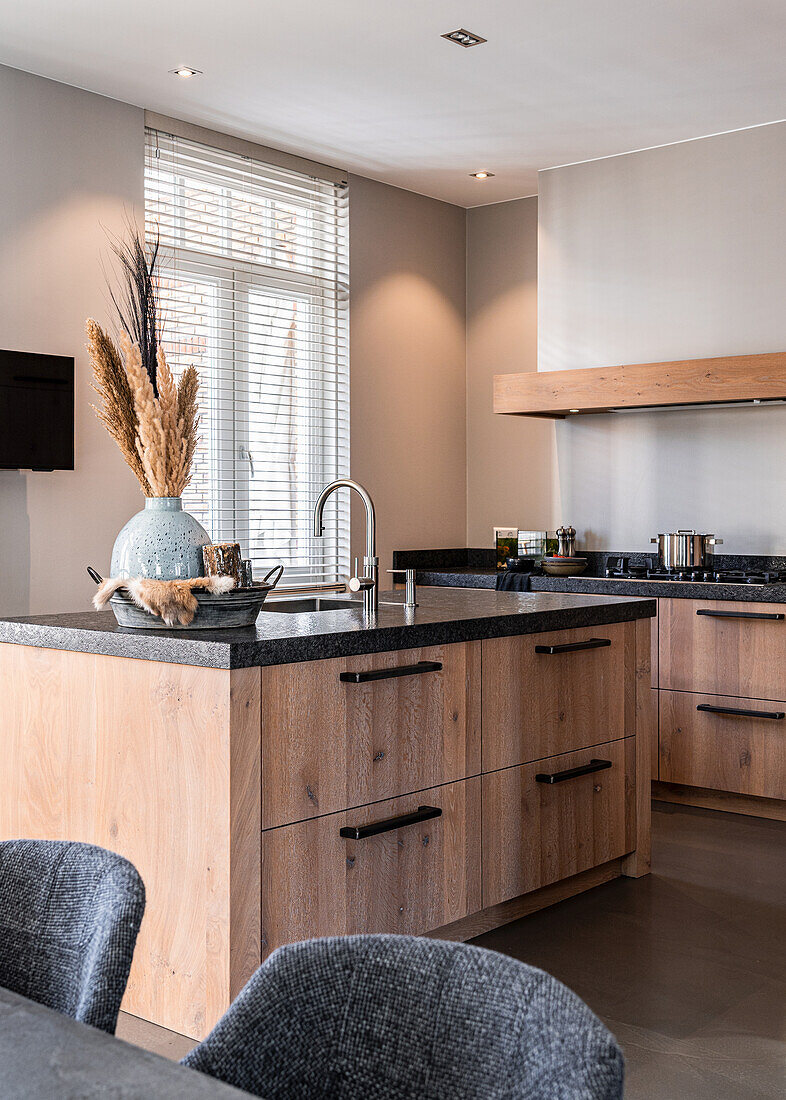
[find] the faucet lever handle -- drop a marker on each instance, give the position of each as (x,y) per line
(360,584)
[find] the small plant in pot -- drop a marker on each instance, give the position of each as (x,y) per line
(154,420)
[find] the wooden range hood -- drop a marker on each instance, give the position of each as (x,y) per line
(554,395)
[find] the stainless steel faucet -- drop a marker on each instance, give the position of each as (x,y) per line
(368,583)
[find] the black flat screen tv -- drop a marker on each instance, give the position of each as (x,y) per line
(36,411)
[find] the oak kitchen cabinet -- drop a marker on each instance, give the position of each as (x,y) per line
(398,790)
(722,700)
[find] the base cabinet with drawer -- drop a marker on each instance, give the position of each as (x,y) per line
(720,647)
(545,694)
(355,730)
(723,743)
(722,715)
(406,865)
(405,791)
(548,820)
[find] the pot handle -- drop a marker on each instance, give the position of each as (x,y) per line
(276,568)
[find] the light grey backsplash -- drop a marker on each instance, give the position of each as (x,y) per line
(671,253)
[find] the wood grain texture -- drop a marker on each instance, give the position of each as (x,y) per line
(329,745)
(535,833)
(639,642)
(408,881)
(721,751)
(552,394)
(496,915)
(719,656)
(537,705)
(772,808)
(135,756)
(245,825)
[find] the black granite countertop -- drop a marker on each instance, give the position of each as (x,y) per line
(683,590)
(441,568)
(442,616)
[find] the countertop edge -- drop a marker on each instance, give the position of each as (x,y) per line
(238,653)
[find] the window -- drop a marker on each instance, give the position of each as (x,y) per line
(254,293)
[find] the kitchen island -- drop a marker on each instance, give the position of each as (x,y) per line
(436,770)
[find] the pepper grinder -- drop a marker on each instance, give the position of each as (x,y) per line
(566,538)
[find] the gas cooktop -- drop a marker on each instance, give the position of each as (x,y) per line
(649,568)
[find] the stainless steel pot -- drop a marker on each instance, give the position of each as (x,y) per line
(683,549)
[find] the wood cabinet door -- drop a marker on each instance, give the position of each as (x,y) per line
(408,879)
(720,647)
(737,745)
(330,742)
(537,832)
(545,694)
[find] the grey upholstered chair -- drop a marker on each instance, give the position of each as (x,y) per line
(399,1018)
(69,917)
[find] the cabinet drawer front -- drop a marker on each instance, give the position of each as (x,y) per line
(720,647)
(537,832)
(721,749)
(408,880)
(355,730)
(541,696)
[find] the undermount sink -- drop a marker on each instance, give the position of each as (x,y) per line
(308,604)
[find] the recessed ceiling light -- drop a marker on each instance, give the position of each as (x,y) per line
(185,71)
(463,38)
(481,175)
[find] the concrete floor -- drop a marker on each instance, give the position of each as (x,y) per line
(687,966)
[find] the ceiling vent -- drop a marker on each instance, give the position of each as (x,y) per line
(463,38)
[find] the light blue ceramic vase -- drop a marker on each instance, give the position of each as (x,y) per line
(161,542)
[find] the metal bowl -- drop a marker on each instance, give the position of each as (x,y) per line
(239,607)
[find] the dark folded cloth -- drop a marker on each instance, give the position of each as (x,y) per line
(513,582)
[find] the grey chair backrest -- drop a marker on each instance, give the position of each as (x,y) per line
(69,918)
(398,1017)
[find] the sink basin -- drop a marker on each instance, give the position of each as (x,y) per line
(307,604)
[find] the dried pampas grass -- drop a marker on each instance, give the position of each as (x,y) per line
(118,414)
(157,432)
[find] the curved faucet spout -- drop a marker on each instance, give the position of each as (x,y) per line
(369,582)
(371,521)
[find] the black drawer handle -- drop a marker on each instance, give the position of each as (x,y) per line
(573,773)
(572,647)
(360,832)
(739,614)
(776,715)
(389,673)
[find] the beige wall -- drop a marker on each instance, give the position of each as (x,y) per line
(71,165)
(510,460)
(407,378)
(671,253)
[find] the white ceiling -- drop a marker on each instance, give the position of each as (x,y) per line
(370,85)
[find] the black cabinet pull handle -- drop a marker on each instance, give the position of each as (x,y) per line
(572,647)
(360,832)
(776,715)
(573,773)
(739,614)
(389,673)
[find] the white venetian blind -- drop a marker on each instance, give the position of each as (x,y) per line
(254,293)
